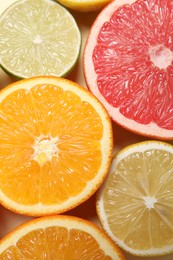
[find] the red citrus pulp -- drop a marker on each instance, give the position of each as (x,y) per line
(128,64)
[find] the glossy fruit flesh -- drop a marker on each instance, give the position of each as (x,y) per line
(52,145)
(38,38)
(132,63)
(58,237)
(135,203)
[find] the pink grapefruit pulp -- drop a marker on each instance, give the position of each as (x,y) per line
(128,64)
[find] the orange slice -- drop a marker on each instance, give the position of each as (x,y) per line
(56,145)
(128,65)
(59,237)
(135,203)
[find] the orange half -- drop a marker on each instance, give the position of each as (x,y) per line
(59,237)
(56,145)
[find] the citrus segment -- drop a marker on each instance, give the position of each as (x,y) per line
(84,5)
(5,4)
(128,65)
(56,145)
(38,38)
(57,237)
(135,204)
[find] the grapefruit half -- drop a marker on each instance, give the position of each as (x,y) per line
(128,65)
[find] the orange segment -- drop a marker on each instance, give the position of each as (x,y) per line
(56,145)
(22,118)
(11,252)
(21,182)
(48,96)
(59,237)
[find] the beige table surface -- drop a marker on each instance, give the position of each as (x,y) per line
(122,138)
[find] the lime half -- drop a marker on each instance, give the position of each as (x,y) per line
(38,38)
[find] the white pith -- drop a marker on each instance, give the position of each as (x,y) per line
(161,56)
(5,4)
(44,149)
(150,201)
(38,39)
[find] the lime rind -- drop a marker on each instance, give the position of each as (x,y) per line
(45,41)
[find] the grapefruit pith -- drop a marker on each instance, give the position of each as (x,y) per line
(128,65)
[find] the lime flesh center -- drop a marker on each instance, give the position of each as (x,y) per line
(161,56)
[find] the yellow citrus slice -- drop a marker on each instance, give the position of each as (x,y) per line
(59,237)
(38,38)
(135,204)
(56,145)
(5,4)
(84,5)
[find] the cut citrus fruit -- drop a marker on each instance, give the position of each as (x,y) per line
(5,4)
(56,145)
(84,5)
(128,65)
(59,237)
(135,203)
(38,38)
